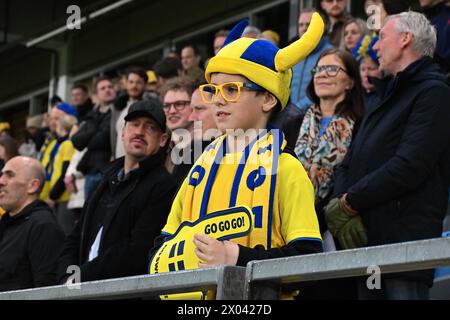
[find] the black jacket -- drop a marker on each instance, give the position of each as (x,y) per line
(180,170)
(83,110)
(30,244)
(439,16)
(94,135)
(289,121)
(136,215)
(397,171)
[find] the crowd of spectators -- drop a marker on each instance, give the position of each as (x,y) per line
(93,181)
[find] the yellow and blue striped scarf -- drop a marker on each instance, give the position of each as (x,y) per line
(253,186)
(253,189)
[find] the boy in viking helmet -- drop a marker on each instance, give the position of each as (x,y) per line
(247,197)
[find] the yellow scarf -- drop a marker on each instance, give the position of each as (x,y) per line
(253,185)
(253,188)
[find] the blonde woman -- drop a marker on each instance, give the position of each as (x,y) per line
(55,192)
(354,29)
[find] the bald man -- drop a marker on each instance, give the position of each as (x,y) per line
(30,238)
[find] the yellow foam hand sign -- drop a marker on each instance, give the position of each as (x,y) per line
(178,252)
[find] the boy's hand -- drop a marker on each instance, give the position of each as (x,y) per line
(214,252)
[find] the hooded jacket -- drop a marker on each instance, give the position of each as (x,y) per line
(84,109)
(30,243)
(94,135)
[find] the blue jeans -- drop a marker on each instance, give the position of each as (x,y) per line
(90,183)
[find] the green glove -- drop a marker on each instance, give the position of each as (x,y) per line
(336,215)
(353,234)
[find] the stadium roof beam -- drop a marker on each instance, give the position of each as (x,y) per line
(67,26)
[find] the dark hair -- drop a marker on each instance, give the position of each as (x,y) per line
(395,6)
(353,104)
(139,71)
(198,82)
(100,79)
(10,146)
(322,13)
(276,110)
(194,48)
(182,83)
(55,100)
(308,10)
(221,33)
(167,67)
(80,86)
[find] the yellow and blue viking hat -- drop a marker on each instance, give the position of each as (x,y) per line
(262,62)
(364,48)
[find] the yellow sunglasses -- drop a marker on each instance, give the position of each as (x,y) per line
(230,91)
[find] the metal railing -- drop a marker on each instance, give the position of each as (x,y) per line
(226,280)
(260,279)
(265,278)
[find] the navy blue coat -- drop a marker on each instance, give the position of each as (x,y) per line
(397,170)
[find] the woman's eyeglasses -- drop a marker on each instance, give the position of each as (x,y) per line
(330,70)
(231,91)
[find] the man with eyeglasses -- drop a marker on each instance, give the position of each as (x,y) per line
(176,98)
(337,15)
(204,132)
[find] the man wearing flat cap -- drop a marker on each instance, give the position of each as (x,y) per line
(129,207)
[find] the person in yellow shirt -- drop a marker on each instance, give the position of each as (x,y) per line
(45,152)
(57,162)
(247,197)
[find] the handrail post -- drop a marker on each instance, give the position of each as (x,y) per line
(260,290)
(230,283)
